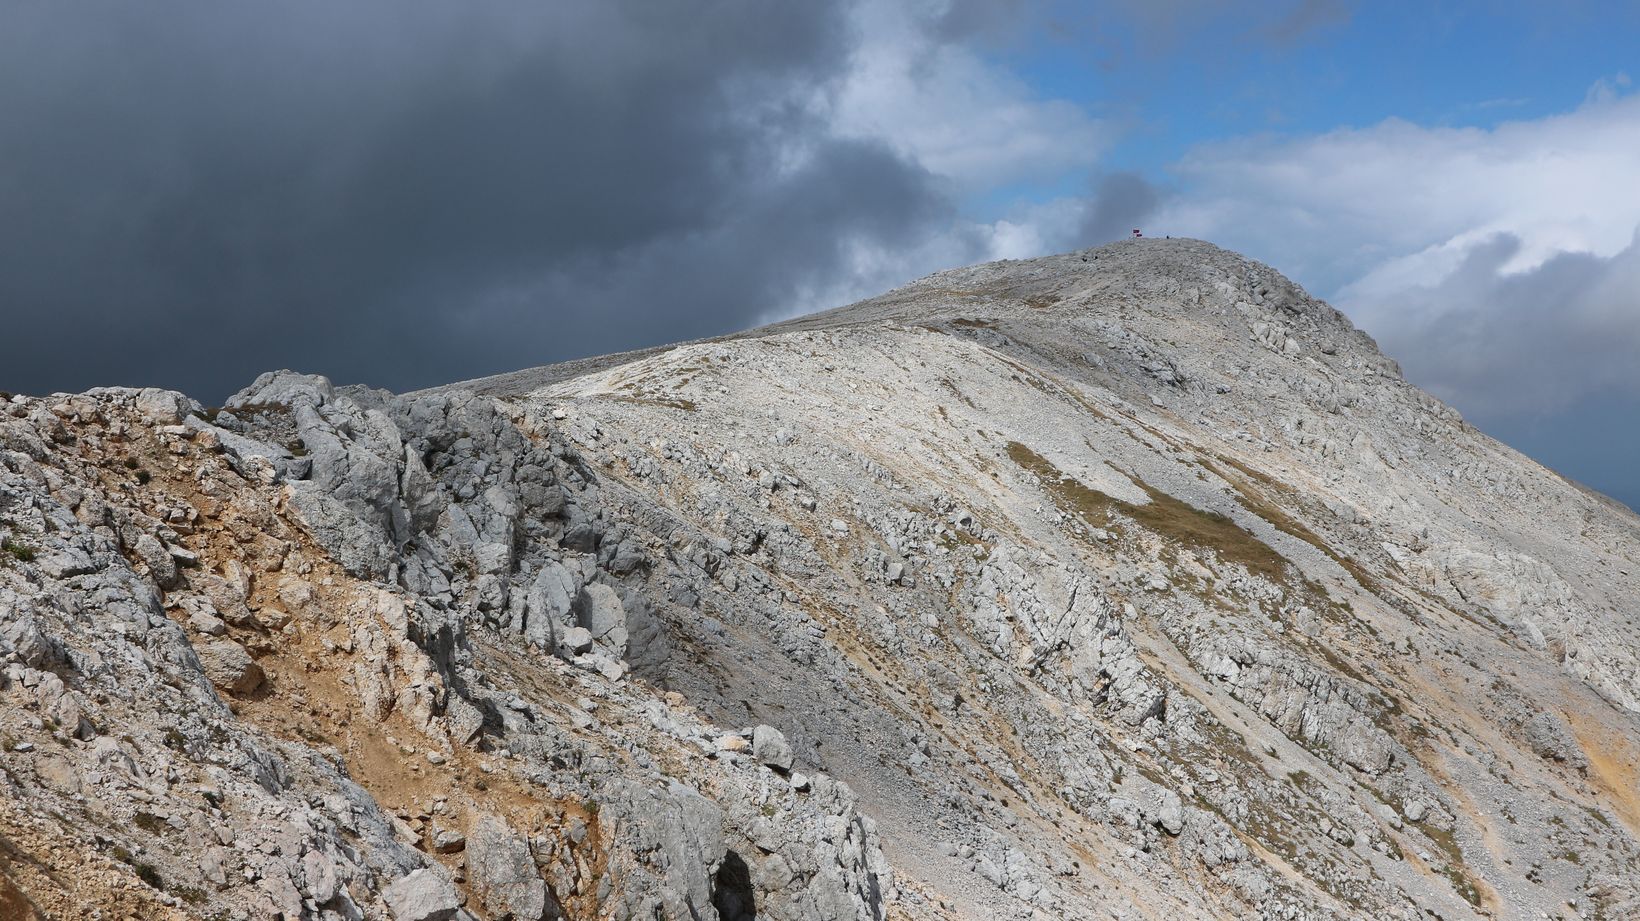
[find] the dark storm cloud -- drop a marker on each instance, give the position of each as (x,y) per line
(1119,205)
(410,193)
(1544,359)
(1594,440)
(1521,343)
(965,19)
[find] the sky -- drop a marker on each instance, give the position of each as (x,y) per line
(410,192)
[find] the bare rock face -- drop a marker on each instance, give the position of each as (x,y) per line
(504,874)
(422,895)
(1128,583)
(600,612)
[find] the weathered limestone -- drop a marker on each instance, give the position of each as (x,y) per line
(1127,582)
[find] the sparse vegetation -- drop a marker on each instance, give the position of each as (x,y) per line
(149,875)
(673,402)
(210,413)
(17,550)
(150,823)
(145,871)
(1164,515)
(1462,884)
(1279,519)
(1455,869)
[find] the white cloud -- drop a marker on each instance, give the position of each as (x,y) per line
(871,269)
(1400,200)
(945,106)
(931,97)
(1463,234)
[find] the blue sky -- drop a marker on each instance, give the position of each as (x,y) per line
(1211,73)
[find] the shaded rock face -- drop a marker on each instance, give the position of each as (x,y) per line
(1128,583)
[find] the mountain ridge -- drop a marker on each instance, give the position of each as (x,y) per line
(1079,262)
(1127,583)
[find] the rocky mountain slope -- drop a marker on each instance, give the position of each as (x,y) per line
(1131,583)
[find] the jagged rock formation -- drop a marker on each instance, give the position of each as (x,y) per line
(1131,583)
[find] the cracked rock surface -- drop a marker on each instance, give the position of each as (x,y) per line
(1130,583)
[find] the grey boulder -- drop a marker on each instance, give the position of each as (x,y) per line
(230,667)
(422,896)
(770,747)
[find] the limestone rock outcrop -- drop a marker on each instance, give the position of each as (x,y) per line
(1129,583)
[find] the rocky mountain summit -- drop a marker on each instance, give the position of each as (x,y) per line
(1132,583)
